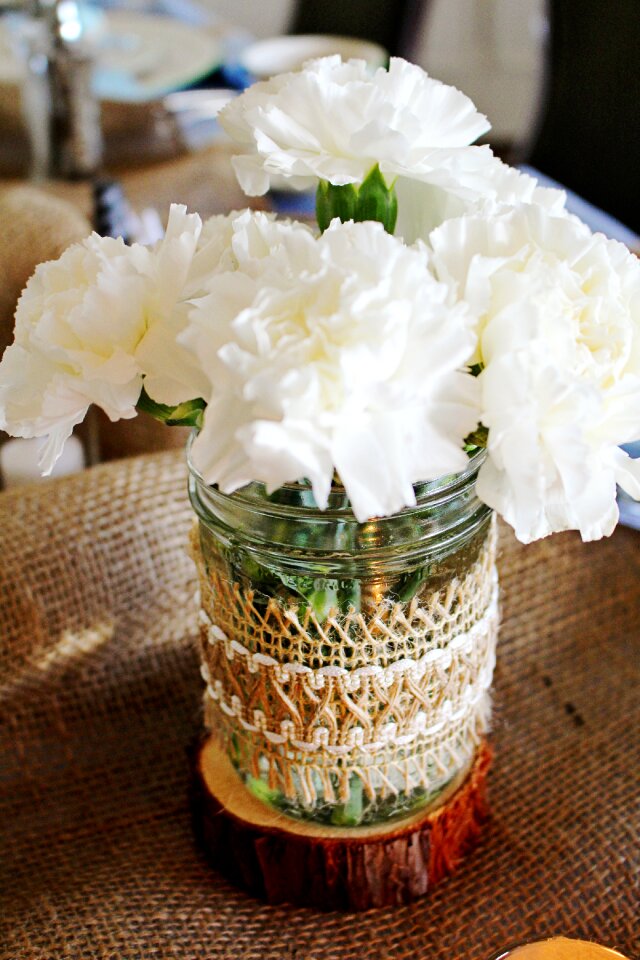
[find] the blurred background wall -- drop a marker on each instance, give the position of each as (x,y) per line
(490,49)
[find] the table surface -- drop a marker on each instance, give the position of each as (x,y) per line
(100,686)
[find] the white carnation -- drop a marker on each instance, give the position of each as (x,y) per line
(553,459)
(340,351)
(424,206)
(173,374)
(83,324)
(558,319)
(335,121)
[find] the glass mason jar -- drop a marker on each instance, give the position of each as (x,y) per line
(347,664)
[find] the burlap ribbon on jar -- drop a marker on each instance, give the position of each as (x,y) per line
(397,697)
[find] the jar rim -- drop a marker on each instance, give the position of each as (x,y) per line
(254,495)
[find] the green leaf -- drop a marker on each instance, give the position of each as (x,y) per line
(188,414)
(409,583)
(324,600)
(324,594)
(477,439)
(262,791)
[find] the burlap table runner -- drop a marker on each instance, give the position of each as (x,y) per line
(101,698)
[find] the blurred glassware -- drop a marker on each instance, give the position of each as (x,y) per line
(138,56)
(75,137)
(195,113)
(189,11)
(51,54)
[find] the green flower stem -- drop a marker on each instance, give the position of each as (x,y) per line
(372,200)
(349,814)
(333,202)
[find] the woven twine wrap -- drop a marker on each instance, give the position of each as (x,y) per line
(397,698)
(100,695)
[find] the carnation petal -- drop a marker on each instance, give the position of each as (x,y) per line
(340,350)
(335,121)
(627,472)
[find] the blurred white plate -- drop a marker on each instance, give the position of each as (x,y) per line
(195,112)
(282,54)
(140,57)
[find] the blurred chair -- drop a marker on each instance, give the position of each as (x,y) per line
(34,226)
(588,135)
(392,23)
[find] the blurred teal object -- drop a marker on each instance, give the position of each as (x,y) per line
(141,57)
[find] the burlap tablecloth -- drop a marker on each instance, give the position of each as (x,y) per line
(101,699)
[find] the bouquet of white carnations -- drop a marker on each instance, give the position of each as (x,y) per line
(448,340)
(446,302)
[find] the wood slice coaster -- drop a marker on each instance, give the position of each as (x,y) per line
(283,860)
